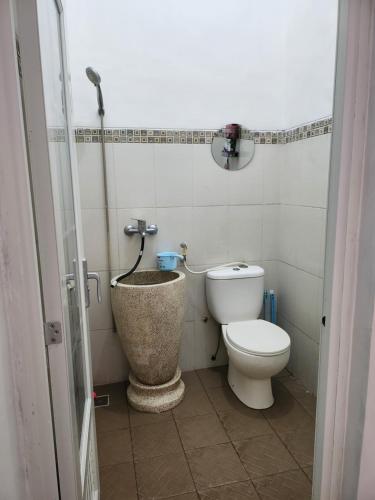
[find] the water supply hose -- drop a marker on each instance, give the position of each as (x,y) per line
(114,281)
(213,268)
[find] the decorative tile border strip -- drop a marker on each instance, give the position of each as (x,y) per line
(182,136)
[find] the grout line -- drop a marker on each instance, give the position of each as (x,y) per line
(230,440)
(132,445)
(283,204)
(277,433)
(184,452)
(299,268)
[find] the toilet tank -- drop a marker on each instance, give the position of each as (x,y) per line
(235,293)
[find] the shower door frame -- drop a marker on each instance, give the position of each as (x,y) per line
(76,456)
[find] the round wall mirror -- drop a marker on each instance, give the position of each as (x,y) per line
(230,149)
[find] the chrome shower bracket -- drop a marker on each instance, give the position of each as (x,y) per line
(141,228)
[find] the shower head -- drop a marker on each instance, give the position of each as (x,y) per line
(94,78)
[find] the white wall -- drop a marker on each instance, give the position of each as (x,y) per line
(203,64)
(223,216)
(310,59)
(301,244)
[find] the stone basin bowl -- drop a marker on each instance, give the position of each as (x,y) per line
(148,308)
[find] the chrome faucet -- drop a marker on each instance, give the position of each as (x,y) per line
(141,228)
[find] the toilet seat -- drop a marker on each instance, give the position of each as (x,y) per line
(258,337)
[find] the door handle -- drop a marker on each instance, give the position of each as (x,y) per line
(91,276)
(96,277)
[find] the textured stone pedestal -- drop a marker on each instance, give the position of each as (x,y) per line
(148,307)
(156,398)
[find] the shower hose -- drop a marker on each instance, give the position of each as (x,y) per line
(115,281)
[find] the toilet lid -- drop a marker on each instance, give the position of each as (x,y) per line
(258,337)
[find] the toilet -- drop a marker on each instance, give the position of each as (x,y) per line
(257,349)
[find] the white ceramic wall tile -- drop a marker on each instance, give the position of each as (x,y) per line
(187,348)
(197,293)
(175,226)
(245,185)
(223,216)
(308,308)
(305,174)
(206,338)
(270,232)
(135,175)
(286,290)
(302,237)
(210,182)
(300,302)
(100,315)
(109,364)
(90,171)
(113,239)
(174,175)
(210,236)
(129,245)
(95,238)
(271,274)
(273,159)
(243,233)
(304,357)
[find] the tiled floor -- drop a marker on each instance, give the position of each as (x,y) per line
(210,447)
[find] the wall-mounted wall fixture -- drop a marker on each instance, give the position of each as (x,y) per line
(141,228)
(231,149)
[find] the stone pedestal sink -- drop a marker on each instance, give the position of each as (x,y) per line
(148,307)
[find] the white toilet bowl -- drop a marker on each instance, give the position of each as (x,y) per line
(257,350)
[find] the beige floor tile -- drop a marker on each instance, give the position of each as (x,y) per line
(191,380)
(308,402)
(185,496)
(117,482)
(300,443)
(264,455)
(245,423)
(295,387)
(163,477)
(287,414)
(110,418)
(142,418)
(292,485)
(200,431)
(213,377)
(284,373)
(215,466)
(155,439)
(114,447)
(195,403)
(224,400)
(235,491)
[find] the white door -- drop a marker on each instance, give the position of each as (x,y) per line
(61,260)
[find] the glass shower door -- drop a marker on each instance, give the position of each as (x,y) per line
(65,308)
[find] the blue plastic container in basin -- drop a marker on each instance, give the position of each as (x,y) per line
(167,261)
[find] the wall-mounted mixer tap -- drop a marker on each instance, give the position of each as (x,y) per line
(141,228)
